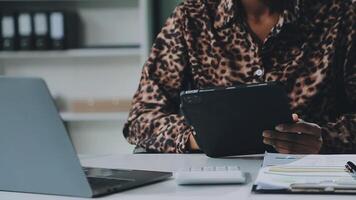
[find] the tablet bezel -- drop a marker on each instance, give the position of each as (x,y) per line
(219,116)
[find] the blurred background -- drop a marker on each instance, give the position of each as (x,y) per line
(90,52)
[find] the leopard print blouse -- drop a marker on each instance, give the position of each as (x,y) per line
(206,43)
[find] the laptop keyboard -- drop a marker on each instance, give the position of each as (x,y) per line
(105,182)
(105,173)
(100,177)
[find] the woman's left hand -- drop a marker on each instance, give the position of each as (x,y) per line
(298,138)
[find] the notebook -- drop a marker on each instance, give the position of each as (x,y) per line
(283,173)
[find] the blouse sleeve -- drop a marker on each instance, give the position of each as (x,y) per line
(154,121)
(340,136)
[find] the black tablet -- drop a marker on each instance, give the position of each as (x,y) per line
(230,121)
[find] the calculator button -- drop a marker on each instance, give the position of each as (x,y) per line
(233,168)
(223,168)
(208,169)
(196,169)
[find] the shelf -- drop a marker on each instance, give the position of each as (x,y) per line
(89,117)
(122,3)
(75,53)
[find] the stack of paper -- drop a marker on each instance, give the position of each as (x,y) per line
(327,172)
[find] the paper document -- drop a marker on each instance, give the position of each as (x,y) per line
(280,171)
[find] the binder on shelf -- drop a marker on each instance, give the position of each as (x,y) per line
(73,28)
(57,30)
(41,31)
(8,32)
(25,31)
(64,30)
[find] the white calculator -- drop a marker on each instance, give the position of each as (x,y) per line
(210,175)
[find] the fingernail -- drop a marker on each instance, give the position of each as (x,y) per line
(265,134)
(279,128)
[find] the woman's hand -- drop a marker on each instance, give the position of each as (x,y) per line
(298,138)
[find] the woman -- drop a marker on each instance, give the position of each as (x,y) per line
(307,44)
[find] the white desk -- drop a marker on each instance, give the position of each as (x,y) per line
(168,190)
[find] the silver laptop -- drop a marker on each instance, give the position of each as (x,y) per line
(36,154)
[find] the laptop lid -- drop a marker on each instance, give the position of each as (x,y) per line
(36,154)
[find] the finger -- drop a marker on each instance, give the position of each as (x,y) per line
(295,148)
(285,151)
(279,149)
(300,127)
(289,146)
(295,117)
(282,150)
(302,139)
(286,148)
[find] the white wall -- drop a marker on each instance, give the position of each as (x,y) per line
(89,137)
